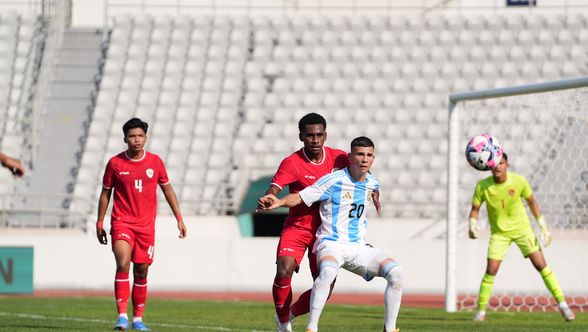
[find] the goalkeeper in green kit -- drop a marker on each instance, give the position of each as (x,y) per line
(509,223)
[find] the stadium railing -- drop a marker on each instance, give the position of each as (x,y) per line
(37,214)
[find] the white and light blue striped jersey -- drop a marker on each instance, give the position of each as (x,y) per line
(343,208)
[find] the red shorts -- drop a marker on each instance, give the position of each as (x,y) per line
(141,239)
(294,241)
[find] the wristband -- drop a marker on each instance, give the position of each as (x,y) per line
(99,224)
(179,217)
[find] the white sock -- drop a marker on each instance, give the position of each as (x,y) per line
(320,293)
(137,319)
(123,315)
(392,296)
(563,304)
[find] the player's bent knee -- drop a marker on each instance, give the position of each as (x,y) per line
(328,274)
(286,272)
(285,269)
(393,273)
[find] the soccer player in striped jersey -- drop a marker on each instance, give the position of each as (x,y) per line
(134,175)
(344,197)
(510,223)
(298,171)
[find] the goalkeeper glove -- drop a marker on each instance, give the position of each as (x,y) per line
(545,235)
(473,230)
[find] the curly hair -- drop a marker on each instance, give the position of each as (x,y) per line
(310,119)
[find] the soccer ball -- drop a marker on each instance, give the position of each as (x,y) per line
(483,152)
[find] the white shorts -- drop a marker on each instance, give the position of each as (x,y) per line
(361,259)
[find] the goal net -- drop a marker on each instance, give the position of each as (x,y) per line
(544,130)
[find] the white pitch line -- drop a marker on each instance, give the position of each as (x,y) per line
(103,321)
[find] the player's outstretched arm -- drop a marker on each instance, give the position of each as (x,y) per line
(102,206)
(270,202)
(536,210)
(12,164)
(271,190)
(473,222)
(172,200)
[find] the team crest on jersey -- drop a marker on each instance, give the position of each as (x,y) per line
(511,192)
(149,172)
(369,195)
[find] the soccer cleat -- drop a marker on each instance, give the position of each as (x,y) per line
(309,331)
(282,327)
(122,323)
(140,326)
(567,314)
(480,316)
(395,330)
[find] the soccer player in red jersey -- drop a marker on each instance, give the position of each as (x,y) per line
(134,175)
(298,171)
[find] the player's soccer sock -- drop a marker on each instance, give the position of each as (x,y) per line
(122,291)
(302,305)
(320,292)
(392,272)
(552,284)
(485,291)
(139,297)
(282,294)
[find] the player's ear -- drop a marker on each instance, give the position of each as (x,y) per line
(325,135)
(301,137)
(125,139)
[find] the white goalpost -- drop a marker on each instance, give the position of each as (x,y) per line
(544,130)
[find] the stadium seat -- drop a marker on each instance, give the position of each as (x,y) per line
(514,22)
(485,38)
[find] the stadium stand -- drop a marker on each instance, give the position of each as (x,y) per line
(20,53)
(22,41)
(223,94)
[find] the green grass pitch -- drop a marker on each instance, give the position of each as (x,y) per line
(98,314)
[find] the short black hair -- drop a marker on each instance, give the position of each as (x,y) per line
(504,156)
(134,123)
(363,142)
(310,119)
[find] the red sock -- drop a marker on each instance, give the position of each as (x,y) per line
(302,305)
(121,291)
(282,293)
(139,296)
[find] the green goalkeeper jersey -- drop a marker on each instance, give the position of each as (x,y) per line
(506,212)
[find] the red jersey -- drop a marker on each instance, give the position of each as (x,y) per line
(135,187)
(297,172)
